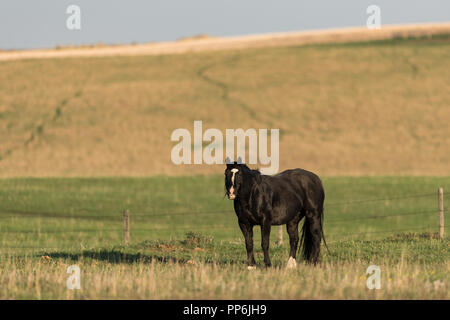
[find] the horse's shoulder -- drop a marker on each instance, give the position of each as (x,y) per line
(265,181)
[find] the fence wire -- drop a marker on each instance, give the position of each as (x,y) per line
(151,215)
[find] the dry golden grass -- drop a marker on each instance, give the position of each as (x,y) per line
(46,279)
(380,108)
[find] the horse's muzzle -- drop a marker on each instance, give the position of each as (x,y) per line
(231,194)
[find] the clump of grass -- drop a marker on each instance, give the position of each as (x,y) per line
(152,244)
(191,240)
(413,236)
(197,239)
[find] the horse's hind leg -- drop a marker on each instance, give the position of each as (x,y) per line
(292,229)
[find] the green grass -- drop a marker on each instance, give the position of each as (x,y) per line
(185,242)
(71,212)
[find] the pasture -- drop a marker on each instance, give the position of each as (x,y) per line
(185,241)
(85,138)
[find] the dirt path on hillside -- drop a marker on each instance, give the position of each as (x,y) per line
(240,42)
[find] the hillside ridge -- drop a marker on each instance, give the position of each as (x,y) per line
(202,44)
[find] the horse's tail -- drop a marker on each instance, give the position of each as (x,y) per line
(306,243)
(310,243)
(321,229)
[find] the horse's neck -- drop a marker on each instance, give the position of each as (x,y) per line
(250,180)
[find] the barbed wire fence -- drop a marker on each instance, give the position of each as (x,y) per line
(149,216)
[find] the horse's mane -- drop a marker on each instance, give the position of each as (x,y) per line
(254,173)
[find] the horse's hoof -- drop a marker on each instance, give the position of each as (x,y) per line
(251,267)
(291,264)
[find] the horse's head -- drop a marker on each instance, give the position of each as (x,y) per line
(233,178)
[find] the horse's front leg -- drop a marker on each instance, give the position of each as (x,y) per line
(247,231)
(265,238)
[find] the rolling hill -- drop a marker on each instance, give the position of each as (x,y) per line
(362,108)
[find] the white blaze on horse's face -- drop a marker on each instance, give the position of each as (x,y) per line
(232,196)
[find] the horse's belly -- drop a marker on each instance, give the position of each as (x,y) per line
(283,215)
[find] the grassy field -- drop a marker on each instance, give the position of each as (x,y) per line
(185,242)
(84,139)
(343,109)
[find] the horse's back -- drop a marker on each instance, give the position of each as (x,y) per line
(299,175)
(302,182)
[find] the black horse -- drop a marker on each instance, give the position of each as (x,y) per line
(284,198)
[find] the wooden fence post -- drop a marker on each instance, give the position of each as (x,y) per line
(280,235)
(126,226)
(441,212)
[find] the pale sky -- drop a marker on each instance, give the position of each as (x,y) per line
(42,23)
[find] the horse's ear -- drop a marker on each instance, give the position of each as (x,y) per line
(227,161)
(239,160)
